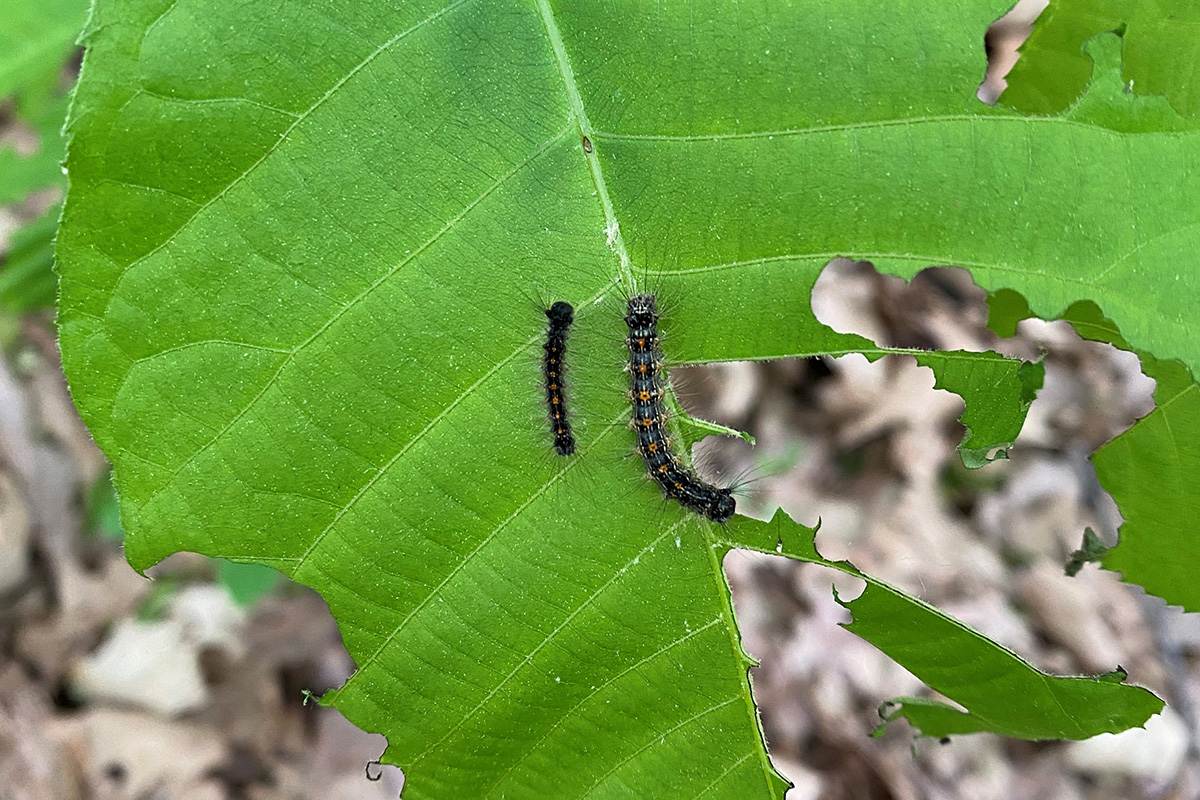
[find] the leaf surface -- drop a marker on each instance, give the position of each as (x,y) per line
(1153,472)
(298,252)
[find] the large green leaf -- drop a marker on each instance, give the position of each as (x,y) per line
(1160,53)
(297,253)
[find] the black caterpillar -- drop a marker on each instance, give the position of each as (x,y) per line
(561,315)
(646,387)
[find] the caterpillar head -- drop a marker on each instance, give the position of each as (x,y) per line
(641,311)
(722,506)
(561,313)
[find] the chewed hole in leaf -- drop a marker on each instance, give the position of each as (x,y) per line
(988,552)
(1093,393)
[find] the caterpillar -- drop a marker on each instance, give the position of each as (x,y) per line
(646,387)
(560,316)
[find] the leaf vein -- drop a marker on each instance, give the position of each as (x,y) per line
(716,781)
(549,638)
(371,659)
(658,737)
(866,125)
(599,688)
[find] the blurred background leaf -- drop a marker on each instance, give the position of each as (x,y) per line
(37,40)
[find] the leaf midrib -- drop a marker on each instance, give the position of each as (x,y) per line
(616,241)
(617,244)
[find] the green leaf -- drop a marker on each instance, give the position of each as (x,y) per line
(103,513)
(21,174)
(1005,309)
(296,257)
(1160,53)
(933,183)
(1092,549)
(246,583)
(1153,472)
(998,392)
(35,40)
(1000,692)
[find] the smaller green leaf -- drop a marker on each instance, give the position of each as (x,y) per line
(1006,308)
(1000,692)
(246,583)
(1118,675)
(1000,391)
(1092,549)
(158,601)
(22,174)
(1153,472)
(35,40)
(1090,323)
(103,510)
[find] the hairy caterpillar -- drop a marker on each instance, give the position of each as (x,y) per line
(647,384)
(560,316)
